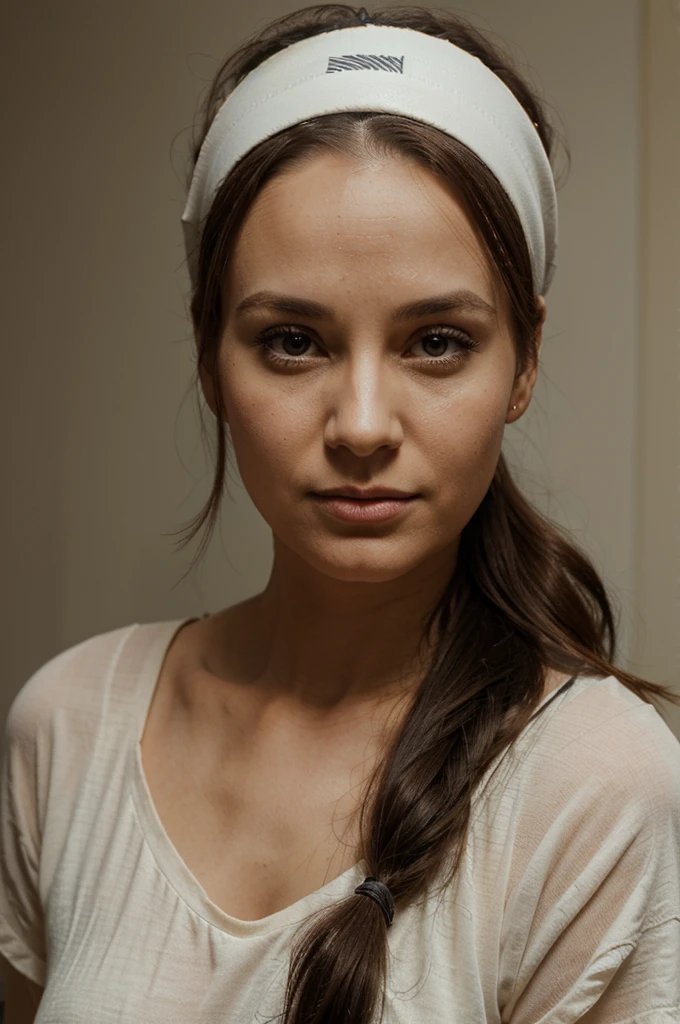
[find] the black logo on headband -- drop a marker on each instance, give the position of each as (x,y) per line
(365,62)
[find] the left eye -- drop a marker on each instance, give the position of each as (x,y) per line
(443,336)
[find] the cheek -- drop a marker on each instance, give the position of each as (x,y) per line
(462,453)
(269,428)
(475,441)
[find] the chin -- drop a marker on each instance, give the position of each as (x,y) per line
(380,561)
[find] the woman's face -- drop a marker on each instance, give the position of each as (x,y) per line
(355,387)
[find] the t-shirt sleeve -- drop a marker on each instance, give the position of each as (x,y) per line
(591,929)
(25,761)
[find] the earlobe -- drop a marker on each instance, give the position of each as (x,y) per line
(522,393)
(524,385)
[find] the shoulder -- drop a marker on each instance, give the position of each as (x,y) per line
(64,681)
(67,695)
(601,760)
(605,730)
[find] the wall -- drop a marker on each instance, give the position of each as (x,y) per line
(657,537)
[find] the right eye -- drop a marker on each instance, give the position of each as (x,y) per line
(293,336)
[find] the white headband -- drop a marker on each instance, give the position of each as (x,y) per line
(387,69)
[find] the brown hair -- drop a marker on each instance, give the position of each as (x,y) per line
(522,596)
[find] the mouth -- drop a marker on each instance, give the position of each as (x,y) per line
(366,510)
(353,497)
(367,493)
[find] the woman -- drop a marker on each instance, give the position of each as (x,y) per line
(406,782)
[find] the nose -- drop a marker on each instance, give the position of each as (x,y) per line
(363,407)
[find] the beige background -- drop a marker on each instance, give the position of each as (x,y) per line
(103,453)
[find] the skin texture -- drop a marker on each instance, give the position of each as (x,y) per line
(339,618)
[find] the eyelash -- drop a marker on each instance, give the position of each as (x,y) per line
(265,339)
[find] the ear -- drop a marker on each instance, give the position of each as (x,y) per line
(523,388)
(208,386)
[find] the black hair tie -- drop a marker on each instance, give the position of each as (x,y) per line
(378,892)
(364,16)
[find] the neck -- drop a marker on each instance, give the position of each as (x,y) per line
(323,642)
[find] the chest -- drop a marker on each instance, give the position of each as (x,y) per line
(260,822)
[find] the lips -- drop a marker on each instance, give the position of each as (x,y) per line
(352,497)
(357,510)
(366,494)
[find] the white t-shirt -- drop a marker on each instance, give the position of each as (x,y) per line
(568,896)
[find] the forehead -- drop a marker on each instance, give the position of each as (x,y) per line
(333,217)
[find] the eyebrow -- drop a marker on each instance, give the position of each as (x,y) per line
(461,301)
